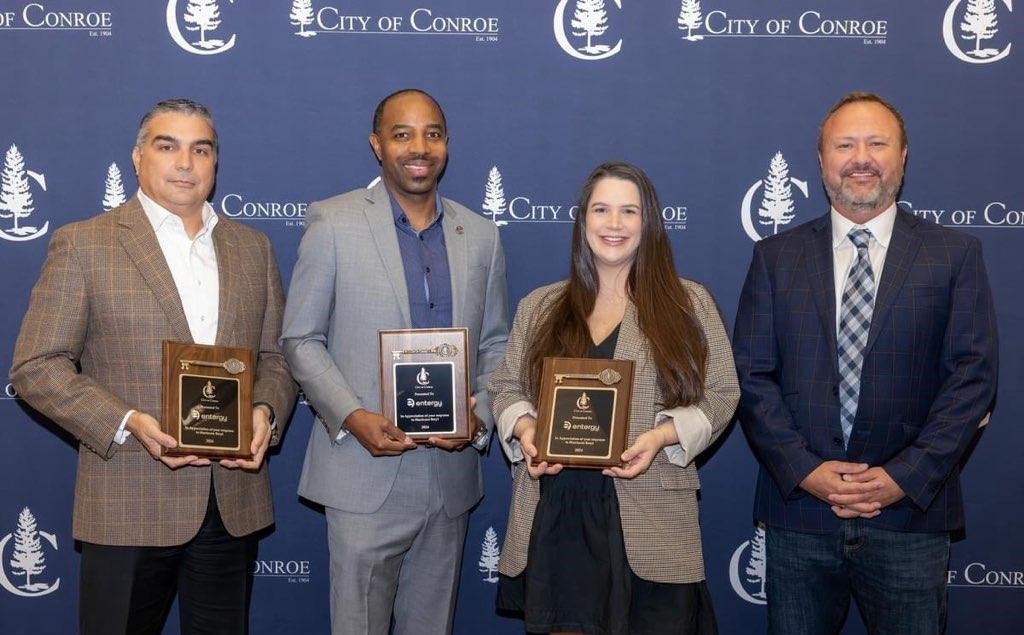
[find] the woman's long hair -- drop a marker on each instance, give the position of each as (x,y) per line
(664,308)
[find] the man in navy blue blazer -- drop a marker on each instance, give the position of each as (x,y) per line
(865,342)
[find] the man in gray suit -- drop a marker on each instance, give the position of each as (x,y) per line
(395,255)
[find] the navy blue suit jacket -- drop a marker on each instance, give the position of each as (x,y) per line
(929,374)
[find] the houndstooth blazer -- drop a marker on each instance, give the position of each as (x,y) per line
(659,507)
(89,350)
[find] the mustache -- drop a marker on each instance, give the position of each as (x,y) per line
(870,168)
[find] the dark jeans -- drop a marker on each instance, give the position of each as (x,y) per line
(898,580)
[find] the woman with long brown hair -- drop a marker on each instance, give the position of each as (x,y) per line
(617,551)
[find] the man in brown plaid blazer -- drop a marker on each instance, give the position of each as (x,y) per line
(160,267)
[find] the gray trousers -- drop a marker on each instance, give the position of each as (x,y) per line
(401,560)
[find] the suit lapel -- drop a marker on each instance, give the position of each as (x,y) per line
(381,221)
(628,344)
(229,285)
(139,241)
(899,256)
(819,267)
(456,245)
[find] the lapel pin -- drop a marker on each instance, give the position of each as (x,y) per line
(459,230)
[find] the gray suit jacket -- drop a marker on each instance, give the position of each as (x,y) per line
(348,283)
(90,350)
(659,507)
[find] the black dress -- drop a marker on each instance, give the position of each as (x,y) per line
(577,577)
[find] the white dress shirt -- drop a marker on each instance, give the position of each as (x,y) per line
(844,254)
(193,265)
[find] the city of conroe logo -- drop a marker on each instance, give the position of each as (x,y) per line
(776,207)
(16,197)
(521,209)
(420,21)
(583,402)
(964,32)
(990,215)
(26,560)
(113,189)
(749,583)
(588,24)
(203,17)
(423,377)
(490,555)
(291,571)
(697,25)
(37,16)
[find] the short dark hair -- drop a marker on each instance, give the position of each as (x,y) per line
(859,96)
(378,113)
(180,106)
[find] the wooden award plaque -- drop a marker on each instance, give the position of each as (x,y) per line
(207,404)
(424,382)
(583,414)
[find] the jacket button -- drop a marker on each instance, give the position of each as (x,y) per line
(835,390)
(837,441)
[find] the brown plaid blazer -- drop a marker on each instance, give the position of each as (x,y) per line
(658,508)
(89,350)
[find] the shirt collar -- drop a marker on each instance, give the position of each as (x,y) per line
(159,215)
(880,227)
(402,220)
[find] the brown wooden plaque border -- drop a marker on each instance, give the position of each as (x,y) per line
(411,347)
(574,375)
(218,365)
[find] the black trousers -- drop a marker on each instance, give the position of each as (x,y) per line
(129,590)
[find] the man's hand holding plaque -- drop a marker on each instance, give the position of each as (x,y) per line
(261,433)
(146,431)
(377,434)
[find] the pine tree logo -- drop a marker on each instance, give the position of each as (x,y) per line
(689,19)
(590,20)
(776,209)
(16,197)
(777,201)
(977,23)
(750,584)
(302,16)
(494,197)
(490,554)
(26,560)
(113,191)
(201,17)
(588,23)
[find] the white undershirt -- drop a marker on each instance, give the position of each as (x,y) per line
(193,265)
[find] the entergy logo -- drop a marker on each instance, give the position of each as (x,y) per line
(750,584)
(589,22)
(978,22)
(16,197)
(776,207)
(202,16)
(27,558)
(490,555)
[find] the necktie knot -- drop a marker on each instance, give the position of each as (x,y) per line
(860,237)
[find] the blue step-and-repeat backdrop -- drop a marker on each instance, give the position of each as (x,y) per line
(713,98)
